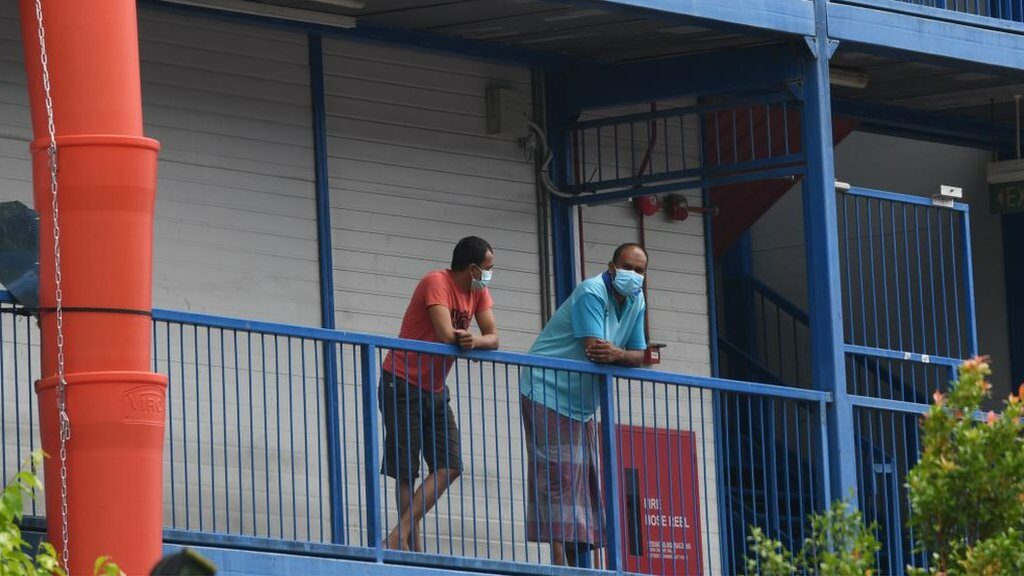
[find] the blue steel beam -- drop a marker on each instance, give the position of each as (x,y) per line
(789,16)
(590,85)
(563,247)
(922,125)
(740,313)
(821,232)
(325,250)
(920,35)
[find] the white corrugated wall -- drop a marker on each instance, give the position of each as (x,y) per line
(412,170)
(234,235)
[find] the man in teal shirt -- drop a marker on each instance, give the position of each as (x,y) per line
(601,321)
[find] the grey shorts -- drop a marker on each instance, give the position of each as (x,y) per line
(416,422)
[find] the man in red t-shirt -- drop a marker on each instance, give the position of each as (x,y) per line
(413,397)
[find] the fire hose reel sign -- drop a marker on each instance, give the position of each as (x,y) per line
(660,507)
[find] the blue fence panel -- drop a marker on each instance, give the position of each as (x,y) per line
(775,345)
(909,309)
(621,153)
(246,457)
(1012,10)
(245,444)
(966,10)
(19,367)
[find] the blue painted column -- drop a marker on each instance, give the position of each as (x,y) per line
(821,234)
(740,313)
(563,235)
(336,482)
(1013,236)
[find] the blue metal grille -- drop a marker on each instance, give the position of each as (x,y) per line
(1002,9)
(247,450)
(908,300)
(666,148)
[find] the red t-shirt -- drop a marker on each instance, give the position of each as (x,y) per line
(437,287)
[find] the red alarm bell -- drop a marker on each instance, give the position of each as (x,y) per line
(647,205)
(678,208)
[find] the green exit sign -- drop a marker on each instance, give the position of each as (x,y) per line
(1006,186)
(1006,197)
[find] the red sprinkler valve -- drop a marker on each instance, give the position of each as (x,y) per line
(678,208)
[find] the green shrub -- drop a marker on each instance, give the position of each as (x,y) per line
(967,490)
(15,559)
(839,545)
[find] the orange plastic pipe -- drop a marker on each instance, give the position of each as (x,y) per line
(107,183)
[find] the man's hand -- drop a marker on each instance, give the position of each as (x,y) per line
(466,339)
(604,352)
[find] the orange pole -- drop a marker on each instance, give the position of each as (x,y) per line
(107,187)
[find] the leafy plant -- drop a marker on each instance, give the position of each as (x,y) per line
(840,544)
(966,496)
(967,490)
(15,559)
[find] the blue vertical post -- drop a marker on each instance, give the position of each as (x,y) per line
(562,233)
(968,275)
(821,233)
(335,477)
(709,274)
(371,453)
(1013,264)
(725,536)
(610,475)
(740,314)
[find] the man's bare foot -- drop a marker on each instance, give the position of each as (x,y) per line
(416,543)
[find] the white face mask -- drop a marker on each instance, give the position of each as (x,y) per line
(485,279)
(627,282)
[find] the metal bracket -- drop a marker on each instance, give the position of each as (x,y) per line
(812,45)
(796,88)
(833,45)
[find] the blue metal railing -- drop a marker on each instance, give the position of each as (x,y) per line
(19,367)
(744,139)
(977,12)
(247,447)
(775,346)
(908,298)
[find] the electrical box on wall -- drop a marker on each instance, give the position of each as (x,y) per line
(1006,187)
(507,111)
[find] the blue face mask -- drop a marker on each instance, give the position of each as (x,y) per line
(485,279)
(627,282)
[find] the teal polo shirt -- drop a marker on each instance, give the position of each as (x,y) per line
(590,311)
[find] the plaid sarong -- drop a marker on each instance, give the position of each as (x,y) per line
(564,502)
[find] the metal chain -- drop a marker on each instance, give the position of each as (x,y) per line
(65,423)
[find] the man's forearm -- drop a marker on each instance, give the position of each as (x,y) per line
(632,358)
(488,342)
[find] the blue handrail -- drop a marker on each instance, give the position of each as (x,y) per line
(514,358)
(263,365)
